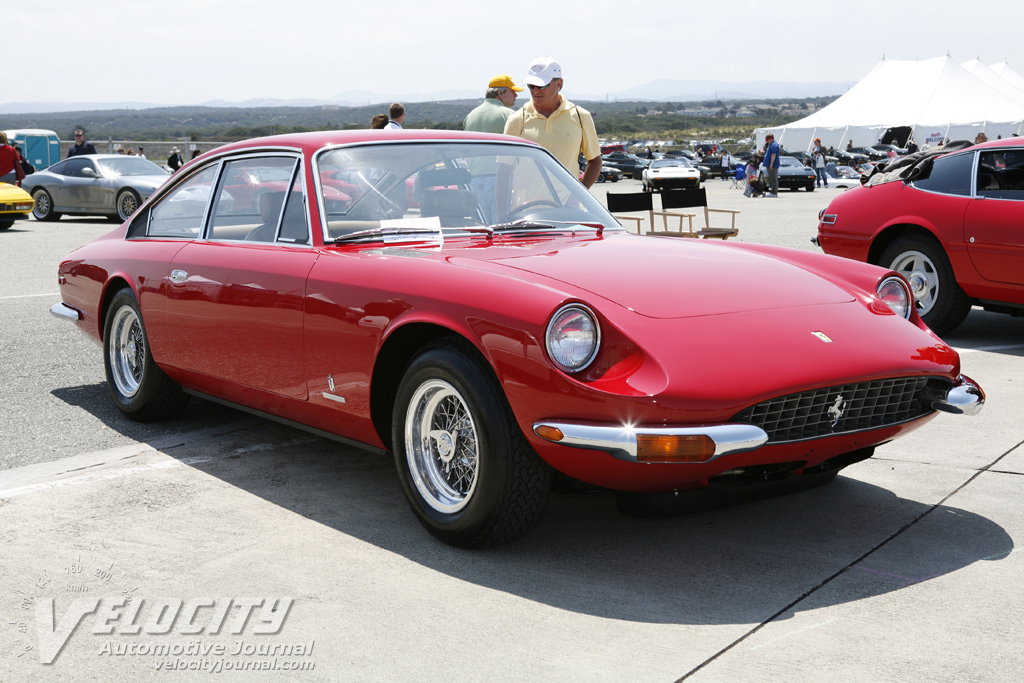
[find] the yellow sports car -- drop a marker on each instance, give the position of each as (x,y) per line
(15,204)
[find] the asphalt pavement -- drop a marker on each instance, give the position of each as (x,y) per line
(220,544)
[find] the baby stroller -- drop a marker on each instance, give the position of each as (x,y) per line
(755,187)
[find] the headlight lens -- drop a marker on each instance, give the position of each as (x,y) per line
(894,293)
(573,337)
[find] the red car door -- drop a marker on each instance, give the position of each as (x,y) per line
(236,312)
(994,224)
(236,300)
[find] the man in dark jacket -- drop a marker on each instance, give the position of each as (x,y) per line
(81,146)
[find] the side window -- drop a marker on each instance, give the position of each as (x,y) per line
(949,175)
(180,213)
(251,198)
(1001,174)
(294,227)
(73,168)
(59,169)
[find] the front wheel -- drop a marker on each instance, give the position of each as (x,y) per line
(468,472)
(42,209)
(940,301)
(128,201)
(140,389)
(6,224)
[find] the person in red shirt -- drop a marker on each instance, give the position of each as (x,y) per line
(9,159)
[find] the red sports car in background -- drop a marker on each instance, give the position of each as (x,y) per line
(369,301)
(950,222)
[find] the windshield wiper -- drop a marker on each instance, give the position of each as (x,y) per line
(530,226)
(389,234)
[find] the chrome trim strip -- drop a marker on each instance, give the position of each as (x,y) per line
(965,398)
(333,397)
(65,312)
(619,441)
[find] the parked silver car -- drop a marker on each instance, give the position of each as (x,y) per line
(112,185)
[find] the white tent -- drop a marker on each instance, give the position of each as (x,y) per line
(1003,70)
(936,98)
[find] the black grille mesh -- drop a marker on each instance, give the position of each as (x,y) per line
(835,410)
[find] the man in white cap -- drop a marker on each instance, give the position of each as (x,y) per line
(555,123)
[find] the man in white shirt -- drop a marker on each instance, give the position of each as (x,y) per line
(396,117)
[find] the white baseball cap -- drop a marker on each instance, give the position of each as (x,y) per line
(542,70)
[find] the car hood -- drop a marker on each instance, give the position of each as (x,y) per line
(669,277)
(13,193)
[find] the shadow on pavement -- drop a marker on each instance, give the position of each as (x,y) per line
(736,565)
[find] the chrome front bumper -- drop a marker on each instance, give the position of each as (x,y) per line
(965,398)
(621,441)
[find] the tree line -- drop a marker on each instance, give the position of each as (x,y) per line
(617,118)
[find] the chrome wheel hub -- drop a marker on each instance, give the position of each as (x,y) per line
(441,446)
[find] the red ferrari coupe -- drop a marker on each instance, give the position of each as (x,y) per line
(371,302)
(950,221)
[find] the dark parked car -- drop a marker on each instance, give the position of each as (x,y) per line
(949,223)
(872,153)
(631,165)
(793,175)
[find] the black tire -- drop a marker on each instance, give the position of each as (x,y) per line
(600,177)
(469,474)
(6,224)
(140,389)
(127,203)
(42,208)
(940,301)
(810,188)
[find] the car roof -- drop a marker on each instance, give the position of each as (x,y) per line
(310,142)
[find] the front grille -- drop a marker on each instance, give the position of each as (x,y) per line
(841,409)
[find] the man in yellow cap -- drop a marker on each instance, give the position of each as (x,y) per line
(490,117)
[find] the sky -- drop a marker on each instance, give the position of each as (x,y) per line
(195,51)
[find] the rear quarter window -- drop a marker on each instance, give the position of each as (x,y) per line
(949,175)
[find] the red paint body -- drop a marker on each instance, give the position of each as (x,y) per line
(693,332)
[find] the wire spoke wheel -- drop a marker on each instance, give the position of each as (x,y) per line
(127,351)
(442,446)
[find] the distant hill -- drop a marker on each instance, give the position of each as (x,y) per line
(661,90)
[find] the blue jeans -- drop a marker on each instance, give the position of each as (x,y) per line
(484,186)
(822,177)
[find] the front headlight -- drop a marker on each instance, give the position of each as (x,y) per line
(894,293)
(573,337)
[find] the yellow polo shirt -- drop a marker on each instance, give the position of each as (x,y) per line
(566,133)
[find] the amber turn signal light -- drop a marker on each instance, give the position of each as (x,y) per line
(659,448)
(549,433)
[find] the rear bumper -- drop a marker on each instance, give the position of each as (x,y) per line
(65,312)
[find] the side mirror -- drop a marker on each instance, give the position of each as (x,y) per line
(88,171)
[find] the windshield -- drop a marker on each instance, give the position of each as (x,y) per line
(665,163)
(789,161)
(129,166)
(448,186)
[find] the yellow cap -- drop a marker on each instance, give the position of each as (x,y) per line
(503,81)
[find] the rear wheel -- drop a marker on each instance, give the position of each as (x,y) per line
(469,474)
(128,201)
(140,389)
(940,301)
(43,207)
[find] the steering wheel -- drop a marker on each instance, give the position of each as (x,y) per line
(510,216)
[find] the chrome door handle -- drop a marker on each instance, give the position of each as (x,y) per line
(178,276)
